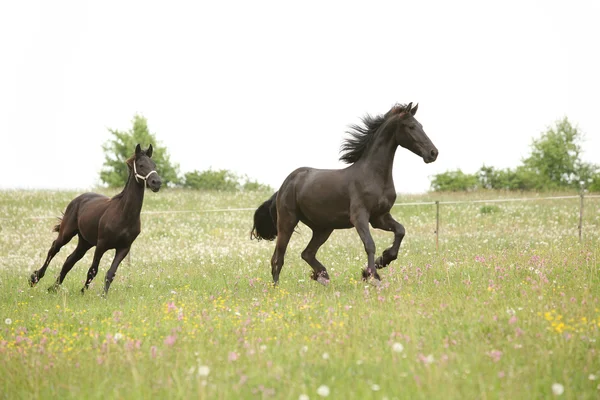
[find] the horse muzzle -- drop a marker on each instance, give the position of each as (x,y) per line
(431,156)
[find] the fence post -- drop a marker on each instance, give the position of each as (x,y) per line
(580,215)
(437,224)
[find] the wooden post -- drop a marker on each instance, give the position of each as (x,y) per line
(437,224)
(580,215)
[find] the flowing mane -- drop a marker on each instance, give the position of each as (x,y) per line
(361,136)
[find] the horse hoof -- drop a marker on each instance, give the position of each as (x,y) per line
(53,289)
(375,282)
(323,281)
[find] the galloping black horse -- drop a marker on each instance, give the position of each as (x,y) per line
(107,223)
(360,194)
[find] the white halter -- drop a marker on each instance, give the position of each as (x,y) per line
(142,177)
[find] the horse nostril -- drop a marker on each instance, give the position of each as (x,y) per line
(434,153)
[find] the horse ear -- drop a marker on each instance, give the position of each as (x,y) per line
(149,151)
(138,149)
(414,110)
(409,106)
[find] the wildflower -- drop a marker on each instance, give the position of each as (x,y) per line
(397,347)
(592,377)
(375,387)
(232,356)
(303,397)
(118,336)
(170,340)
(558,389)
(495,355)
(325,356)
(323,390)
(8,321)
(203,371)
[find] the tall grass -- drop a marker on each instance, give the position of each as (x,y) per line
(506,308)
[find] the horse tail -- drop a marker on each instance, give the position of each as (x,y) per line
(57,226)
(265,220)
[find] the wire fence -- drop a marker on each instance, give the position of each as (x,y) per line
(437,204)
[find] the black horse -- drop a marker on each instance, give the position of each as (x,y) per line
(363,193)
(107,223)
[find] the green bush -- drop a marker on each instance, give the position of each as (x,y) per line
(220,180)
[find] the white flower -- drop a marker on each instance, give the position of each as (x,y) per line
(398,347)
(375,387)
(304,349)
(429,359)
(323,390)
(8,321)
(118,336)
(303,397)
(263,347)
(558,389)
(325,356)
(592,377)
(151,286)
(203,370)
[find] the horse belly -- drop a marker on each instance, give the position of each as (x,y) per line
(326,219)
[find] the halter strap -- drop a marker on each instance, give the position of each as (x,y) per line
(142,177)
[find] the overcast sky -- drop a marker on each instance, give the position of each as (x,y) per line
(262,88)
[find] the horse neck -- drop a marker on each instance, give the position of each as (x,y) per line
(379,157)
(132,196)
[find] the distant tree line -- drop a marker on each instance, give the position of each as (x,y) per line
(554,164)
(118,149)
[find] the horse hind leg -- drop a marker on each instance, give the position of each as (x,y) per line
(309,254)
(82,247)
(286,223)
(388,223)
(66,231)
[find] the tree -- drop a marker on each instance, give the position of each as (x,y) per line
(554,163)
(117,150)
(555,158)
(454,181)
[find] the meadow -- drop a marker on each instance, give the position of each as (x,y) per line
(507,307)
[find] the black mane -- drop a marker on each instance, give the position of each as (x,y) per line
(361,136)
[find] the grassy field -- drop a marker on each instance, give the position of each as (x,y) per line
(508,307)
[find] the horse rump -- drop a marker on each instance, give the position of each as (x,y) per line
(265,220)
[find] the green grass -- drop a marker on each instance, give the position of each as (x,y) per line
(507,307)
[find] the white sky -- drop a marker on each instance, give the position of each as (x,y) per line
(262,88)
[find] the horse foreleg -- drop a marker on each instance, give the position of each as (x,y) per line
(98,253)
(309,255)
(360,220)
(110,275)
(387,223)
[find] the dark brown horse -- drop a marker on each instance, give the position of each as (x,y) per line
(107,223)
(363,193)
